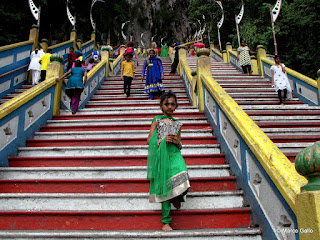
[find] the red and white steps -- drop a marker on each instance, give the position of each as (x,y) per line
(84,176)
(292,127)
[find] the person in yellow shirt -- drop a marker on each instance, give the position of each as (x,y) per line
(44,61)
(127,73)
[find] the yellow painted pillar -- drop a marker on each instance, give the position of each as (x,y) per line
(307,210)
(203,68)
(261,53)
(194,95)
(44,44)
(122,49)
(170,52)
(318,81)
(34,36)
(93,37)
(255,69)
(211,48)
(55,70)
(182,56)
(79,43)
(224,56)
(228,50)
(73,37)
(139,51)
(105,56)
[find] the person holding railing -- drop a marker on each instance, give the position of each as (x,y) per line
(75,84)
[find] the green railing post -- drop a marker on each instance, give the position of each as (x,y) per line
(308,201)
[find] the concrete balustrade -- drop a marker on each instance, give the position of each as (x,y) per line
(259,165)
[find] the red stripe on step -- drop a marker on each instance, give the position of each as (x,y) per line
(122,115)
(119,104)
(107,186)
(291,112)
(289,124)
(109,141)
(295,138)
(130,220)
(114,127)
(106,161)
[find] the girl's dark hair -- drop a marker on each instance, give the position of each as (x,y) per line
(130,44)
(151,50)
(167,95)
(77,63)
(91,60)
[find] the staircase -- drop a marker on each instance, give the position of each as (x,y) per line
(84,175)
(16,92)
(292,126)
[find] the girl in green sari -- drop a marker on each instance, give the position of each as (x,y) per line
(167,171)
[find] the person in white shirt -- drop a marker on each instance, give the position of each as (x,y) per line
(280,80)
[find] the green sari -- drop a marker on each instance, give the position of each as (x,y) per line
(167,170)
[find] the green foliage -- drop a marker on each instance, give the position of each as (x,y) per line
(297,28)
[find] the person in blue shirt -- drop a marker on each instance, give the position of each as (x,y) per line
(75,84)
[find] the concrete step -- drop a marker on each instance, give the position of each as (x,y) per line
(115,134)
(110,150)
(291,131)
(201,234)
(183,120)
(295,147)
(134,91)
(103,173)
(113,201)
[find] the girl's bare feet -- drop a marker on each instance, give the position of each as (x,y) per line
(176,203)
(166,228)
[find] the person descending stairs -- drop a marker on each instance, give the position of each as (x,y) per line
(84,175)
(292,126)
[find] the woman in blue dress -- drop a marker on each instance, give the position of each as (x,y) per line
(154,75)
(75,84)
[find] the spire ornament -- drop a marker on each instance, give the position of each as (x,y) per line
(274,15)
(238,20)
(219,24)
(72,19)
